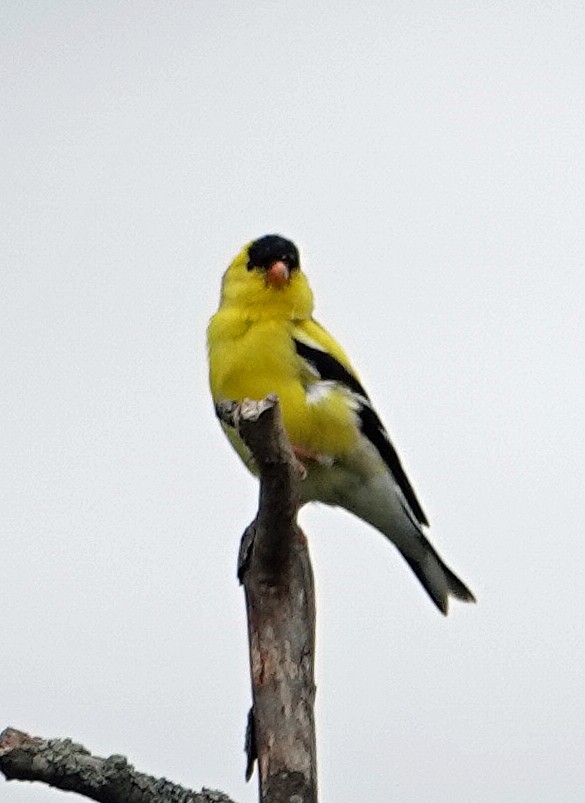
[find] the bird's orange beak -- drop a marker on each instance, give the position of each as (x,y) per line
(278,274)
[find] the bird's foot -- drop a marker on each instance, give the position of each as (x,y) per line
(301,469)
(322,459)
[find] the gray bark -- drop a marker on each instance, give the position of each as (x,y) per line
(65,765)
(276,572)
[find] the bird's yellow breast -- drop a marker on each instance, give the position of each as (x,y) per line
(253,359)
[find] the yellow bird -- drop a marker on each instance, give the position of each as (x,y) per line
(263,339)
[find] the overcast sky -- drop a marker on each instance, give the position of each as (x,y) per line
(428,159)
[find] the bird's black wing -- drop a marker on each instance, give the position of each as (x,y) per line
(330,369)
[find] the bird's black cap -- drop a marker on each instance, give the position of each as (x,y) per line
(269,249)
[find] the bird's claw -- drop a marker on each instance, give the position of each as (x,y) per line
(322,459)
(300,469)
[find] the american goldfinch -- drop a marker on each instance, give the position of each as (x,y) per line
(263,339)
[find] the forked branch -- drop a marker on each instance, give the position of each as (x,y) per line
(275,570)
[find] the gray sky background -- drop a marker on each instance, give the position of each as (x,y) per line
(428,159)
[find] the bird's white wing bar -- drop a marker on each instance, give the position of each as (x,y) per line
(318,391)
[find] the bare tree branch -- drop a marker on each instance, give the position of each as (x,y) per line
(65,765)
(278,581)
(275,569)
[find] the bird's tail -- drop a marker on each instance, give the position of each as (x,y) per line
(435,576)
(378,502)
